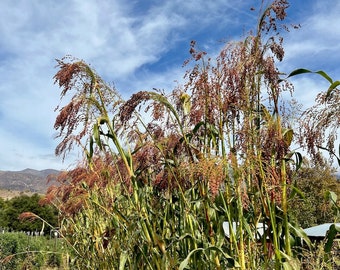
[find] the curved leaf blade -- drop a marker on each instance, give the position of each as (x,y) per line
(332,232)
(331,88)
(325,75)
(298,72)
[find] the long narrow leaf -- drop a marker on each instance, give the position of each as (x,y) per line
(332,87)
(303,71)
(333,231)
(122,260)
(298,72)
(96,135)
(325,75)
(298,231)
(185,263)
(298,160)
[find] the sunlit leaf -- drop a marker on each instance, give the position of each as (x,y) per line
(298,231)
(186,103)
(288,136)
(96,135)
(331,195)
(122,260)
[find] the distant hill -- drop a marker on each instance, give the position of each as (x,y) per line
(27,180)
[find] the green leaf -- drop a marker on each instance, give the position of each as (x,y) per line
(230,260)
(288,136)
(331,88)
(91,146)
(185,263)
(332,232)
(296,190)
(89,154)
(122,260)
(298,72)
(302,71)
(96,136)
(323,148)
(290,263)
(187,235)
(299,232)
(331,152)
(325,75)
(163,100)
(186,103)
(102,120)
(198,125)
(332,196)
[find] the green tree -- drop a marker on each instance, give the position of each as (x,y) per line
(18,205)
(3,207)
(314,207)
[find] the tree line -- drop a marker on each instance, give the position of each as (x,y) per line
(10,211)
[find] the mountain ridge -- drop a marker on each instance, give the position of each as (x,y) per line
(27,180)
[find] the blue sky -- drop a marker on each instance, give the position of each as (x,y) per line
(138,45)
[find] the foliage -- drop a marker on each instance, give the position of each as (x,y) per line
(11,210)
(19,251)
(318,258)
(153,192)
(313,207)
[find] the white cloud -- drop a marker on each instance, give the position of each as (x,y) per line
(319,36)
(314,46)
(125,41)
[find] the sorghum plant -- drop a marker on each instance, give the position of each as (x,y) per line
(320,123)
(155,194)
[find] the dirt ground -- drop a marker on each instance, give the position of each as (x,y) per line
(9,194)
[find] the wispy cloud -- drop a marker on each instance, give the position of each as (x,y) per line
(315,46)
(135,44)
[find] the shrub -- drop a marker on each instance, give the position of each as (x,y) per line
(19,251)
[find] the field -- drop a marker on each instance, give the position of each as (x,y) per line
(20,251)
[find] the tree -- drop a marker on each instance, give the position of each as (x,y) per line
(314,207)
(18,205)
(3,206)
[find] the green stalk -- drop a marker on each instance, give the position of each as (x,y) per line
(285,209)
(284,194)
(240,220)
(276,242)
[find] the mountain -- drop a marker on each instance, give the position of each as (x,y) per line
(27,180)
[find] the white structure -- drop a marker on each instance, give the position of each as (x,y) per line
(320,230)
(260,229)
